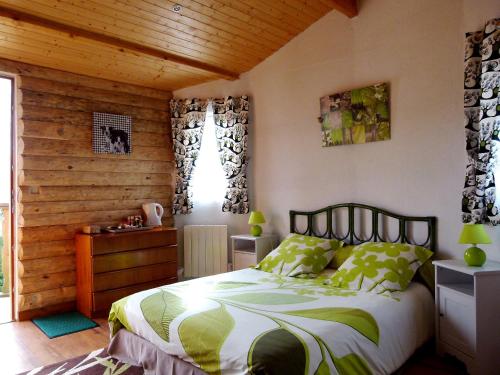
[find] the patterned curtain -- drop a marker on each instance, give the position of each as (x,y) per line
(482,123)
(231,131)
(187,119)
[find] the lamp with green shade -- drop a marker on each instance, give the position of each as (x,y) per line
(474,234)
(256,218)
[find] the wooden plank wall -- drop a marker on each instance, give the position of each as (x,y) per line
(63,184)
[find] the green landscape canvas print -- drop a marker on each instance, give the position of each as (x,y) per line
(356,116)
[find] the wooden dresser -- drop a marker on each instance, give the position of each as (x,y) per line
(112,266)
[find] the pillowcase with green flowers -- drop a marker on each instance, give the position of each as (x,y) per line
(299,255)
(380,267)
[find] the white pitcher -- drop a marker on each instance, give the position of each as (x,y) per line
(154,212)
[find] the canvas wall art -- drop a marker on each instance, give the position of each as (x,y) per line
(356,116)
(111,134)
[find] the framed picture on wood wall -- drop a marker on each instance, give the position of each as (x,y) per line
(111,134)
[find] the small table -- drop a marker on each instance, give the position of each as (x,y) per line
(468,313)
(249,250)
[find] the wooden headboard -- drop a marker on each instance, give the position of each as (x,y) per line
(378,218)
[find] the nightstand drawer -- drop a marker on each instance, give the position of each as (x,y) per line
(243,260)
(467,311)
(249,250)
(457,320)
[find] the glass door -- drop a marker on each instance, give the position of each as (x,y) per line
(6,86)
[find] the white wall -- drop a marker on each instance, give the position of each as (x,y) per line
(417,46)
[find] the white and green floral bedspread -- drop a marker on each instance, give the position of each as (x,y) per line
(251,321)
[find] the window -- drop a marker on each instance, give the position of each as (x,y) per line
(5,139)
(209,182)
(5,198)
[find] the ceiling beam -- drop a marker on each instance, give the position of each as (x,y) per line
(347,7)
(114,41)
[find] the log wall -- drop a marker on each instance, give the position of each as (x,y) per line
(64,185)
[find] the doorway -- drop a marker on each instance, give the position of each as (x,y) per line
(6,174)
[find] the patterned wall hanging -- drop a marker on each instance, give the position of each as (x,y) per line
(111,134)
(187,120)
(356,116)
(231,131)
(482,123)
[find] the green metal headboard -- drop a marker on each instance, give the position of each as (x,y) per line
(377,215)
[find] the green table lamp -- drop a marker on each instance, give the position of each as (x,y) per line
(256,218)
(474,234)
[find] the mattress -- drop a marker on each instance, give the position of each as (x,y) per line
(249,321)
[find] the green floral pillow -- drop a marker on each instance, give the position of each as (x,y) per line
(298,255)
(425,275)
(380,267)
(340,256)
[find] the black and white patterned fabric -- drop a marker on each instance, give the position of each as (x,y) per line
(231,131)
(111,134)
(482,123)
(187,120)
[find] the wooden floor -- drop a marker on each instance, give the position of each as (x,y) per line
(24,347)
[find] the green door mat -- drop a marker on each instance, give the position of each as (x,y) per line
(64,324)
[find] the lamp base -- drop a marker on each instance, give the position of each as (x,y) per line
(474,256)
(255,230)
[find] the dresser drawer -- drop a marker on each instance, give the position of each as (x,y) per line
(104,300)
(131,276)
(136,258)
(110,266)
(106,244)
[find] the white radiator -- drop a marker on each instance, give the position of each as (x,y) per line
(205,250)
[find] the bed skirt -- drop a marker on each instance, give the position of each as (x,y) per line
(132,349)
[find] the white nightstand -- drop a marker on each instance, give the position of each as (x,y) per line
(468,313)
(249,250)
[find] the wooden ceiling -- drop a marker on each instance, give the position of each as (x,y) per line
(147,43)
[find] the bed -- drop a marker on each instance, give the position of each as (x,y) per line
(251,321)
